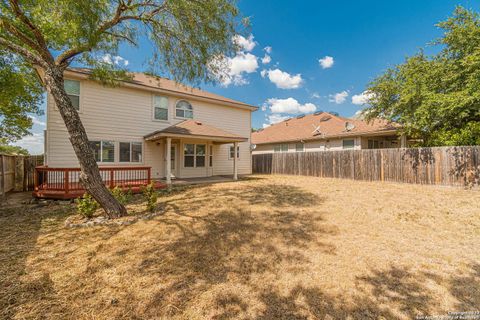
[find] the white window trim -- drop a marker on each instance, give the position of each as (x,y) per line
(281,150)
(343,145)
(175,110)
(194,155)
(131,153)
(303,147)
(115,148)
(80,100)
(230,155)
(153,109)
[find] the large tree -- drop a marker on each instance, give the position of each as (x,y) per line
(186,36)
(436,98)
(20,96)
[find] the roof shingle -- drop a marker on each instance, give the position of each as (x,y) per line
(303,128)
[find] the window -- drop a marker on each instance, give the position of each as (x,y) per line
(184,109)
(189,155)
(299,147)
(160,108)
(200,153)
(210,157)
(348,144)
(280,147)
(103,151)
(130,152)
(194,155)
(372,144)
(72,87)
(230,154)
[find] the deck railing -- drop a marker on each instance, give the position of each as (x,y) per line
(65,182)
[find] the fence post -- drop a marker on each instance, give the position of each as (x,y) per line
(2,175)
(149,175)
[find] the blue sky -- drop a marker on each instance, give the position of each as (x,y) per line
(356,40)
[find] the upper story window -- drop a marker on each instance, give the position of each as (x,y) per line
(184,109)
(72,87)
(348,144)
(160,108)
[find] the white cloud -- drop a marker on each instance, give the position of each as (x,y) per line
(37,121)
(237,66)
(326,62)
(274,118)
(108,58)
(316,95)
(266,59)
(268,49)
(263,73)
(289,105)
(33,143)
(362,98)
(284,80)
(339,97)
(246,44)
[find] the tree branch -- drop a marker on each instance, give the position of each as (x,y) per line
(118,17)
(30,56)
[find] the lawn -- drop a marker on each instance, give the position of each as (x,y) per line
(270,247)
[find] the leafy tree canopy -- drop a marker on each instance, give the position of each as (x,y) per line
(436,98)
(20,95)
(8,149)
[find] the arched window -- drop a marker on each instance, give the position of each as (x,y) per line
(184,109)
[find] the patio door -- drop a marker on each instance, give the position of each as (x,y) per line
(173,159)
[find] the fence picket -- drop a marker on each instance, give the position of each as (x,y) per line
(455,166)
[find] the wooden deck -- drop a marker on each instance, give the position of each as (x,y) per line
(63,183)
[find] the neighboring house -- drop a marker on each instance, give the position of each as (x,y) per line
(323,131)
(153,122)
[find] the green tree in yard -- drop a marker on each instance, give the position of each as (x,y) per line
(20,95)
(187,36)
(5,148)
(436,98)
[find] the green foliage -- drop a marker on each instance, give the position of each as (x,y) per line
(436,98)
(86,206)
(20,95)
(13,150)
(121,196)
(150,196)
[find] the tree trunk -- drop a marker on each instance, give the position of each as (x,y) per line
(90,175)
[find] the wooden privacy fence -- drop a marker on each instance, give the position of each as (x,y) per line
(17,172)
(452,166)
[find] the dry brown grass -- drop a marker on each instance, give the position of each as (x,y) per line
(277,247)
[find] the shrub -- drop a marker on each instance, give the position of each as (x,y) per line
(86,206)
(150,195)
(122,197)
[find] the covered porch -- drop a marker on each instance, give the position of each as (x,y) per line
(194,150)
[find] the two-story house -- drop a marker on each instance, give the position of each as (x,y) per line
(178,131)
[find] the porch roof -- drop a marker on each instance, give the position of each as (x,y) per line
(195,129)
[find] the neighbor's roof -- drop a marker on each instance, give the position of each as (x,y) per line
(197,129)
(152,82)
(303,128)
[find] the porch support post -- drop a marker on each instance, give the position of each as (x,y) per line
(235,162)
(168,171)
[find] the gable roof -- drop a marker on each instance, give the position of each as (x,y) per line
(197,129)
(164,84)
(303,128)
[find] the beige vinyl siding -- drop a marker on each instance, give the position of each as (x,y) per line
(122,114)
(316,145)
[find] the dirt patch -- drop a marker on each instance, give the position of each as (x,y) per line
(271,247)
